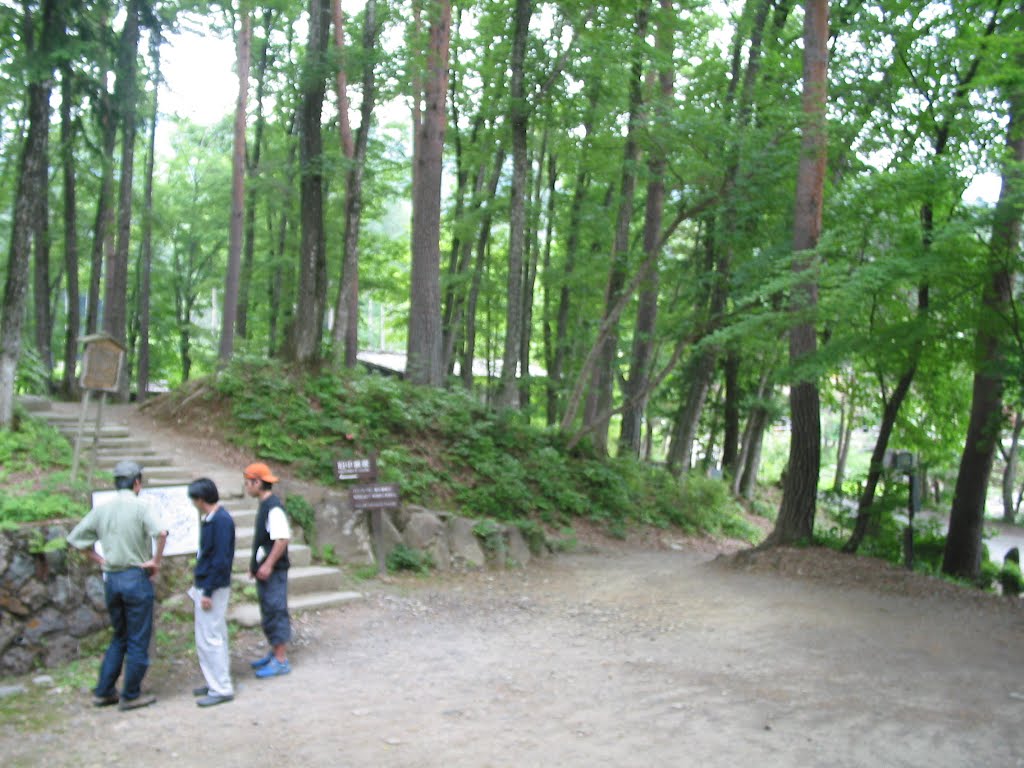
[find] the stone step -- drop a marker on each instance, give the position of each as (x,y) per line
(300,555)
(148,463)
(248,614)
(303,579)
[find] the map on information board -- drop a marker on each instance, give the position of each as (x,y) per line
(173,509)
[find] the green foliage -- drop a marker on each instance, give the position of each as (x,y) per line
(491,535)
(303,514)
(1010,579)
(403,558)
(328,556)
(34,462)
(707,506)
(446,449)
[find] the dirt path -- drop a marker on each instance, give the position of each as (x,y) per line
(624,654)
(616,657)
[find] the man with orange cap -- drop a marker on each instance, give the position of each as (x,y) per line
(269,566)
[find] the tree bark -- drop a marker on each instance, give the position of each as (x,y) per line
(962,556)
(519,123)
(1010,470)
(229,316)
(425,364)
(642,354)
(31,169)
(69,384)
(115,292)
(345,334)
(307,332)
(146,251)
(800,487)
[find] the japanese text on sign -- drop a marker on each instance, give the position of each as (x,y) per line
(350,469)
(374,496)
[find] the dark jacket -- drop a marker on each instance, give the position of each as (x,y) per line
(216,552)
(261,537)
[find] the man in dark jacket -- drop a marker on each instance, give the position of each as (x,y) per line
(269,566)
(212,591)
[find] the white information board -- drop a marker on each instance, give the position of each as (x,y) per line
(173,509)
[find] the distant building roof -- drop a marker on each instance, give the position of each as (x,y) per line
(394,363)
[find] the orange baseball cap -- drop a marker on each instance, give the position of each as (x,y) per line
(259,471)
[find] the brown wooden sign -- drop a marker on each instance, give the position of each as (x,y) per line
(101,363)
(374,496)
(356,469)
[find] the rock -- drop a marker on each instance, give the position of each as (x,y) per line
(464,544)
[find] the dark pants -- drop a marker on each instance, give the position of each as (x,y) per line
(129,596)
(273,595)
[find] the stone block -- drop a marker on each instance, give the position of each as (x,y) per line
(464,544)
(343,528)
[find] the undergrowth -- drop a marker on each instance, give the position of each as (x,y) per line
(446,450)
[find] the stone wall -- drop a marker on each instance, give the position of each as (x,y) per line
(49,601)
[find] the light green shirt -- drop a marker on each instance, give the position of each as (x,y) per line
(125,527)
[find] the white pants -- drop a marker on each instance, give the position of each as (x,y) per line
(212,642)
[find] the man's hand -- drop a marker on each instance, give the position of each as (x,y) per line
(206,603)
(264,572)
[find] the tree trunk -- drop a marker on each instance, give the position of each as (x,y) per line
(519,126)
(962,556)
(1010,470)
(731,412)
(31,169)
(43,325)
(642,355)
(842,444)
(603,383)
(252,171)
(425,364)
(345,335)
(800,487)
(115,292)
(103,228)
(229,317)
(146,251)
(69,384)
(307,331)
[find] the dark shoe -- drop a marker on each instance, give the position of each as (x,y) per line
(139,701)
(105,701)
(262,662)
(274,668)
(213,699)
(202,690)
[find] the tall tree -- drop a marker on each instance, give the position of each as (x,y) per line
(962,556)
(73,319)
(307,333)
(31,169)
(144,273)
(800,486)
(425,363)
(115,292)
(229,317)
(519,124)
(345,335)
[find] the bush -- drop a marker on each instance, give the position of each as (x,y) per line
(1010,578)
(403,558)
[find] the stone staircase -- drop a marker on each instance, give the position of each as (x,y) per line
(310,586)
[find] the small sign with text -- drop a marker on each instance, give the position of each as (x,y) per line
(374,496)
(355,469)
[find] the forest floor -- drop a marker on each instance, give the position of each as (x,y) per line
(651,651)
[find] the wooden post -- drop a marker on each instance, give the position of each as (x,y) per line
(78,436)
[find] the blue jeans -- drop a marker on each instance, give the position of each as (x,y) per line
(129,595)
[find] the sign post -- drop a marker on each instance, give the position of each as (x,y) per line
(371,496)
(102,364)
